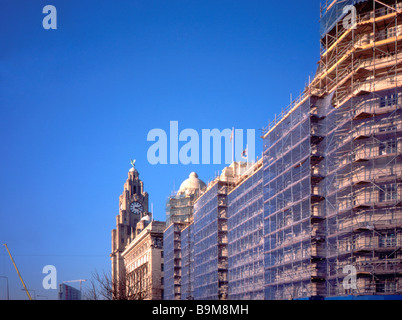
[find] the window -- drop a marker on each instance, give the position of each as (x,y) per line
(354,199)
(386,285)
(387,192)
(387,128)
(387,240)
(387,147)
(393,31)
(390,286)
(388,101)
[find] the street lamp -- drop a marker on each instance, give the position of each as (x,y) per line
(8,292)
(31,290)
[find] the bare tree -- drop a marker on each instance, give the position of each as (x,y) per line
(138,284)
(100,287)
(135,286)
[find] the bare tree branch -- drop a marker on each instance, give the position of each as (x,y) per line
(135,286)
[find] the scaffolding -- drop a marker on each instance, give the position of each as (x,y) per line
(179,215)
(245,235)
(361,68)
(210,269)
(211,236)
(172,261)
(179,207)
(293,217)
(187,275)
(333,165)
(203,236)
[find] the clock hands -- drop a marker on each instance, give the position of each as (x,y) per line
(136,207)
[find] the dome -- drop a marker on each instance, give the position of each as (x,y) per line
(191,184)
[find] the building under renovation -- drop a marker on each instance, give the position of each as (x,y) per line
(196,263)
(245,236)
(320,216)
(333,164)
(187,262)
(211,239)
(179,214)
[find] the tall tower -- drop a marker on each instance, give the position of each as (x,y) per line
(133,206)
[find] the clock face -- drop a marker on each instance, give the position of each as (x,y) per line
(136,207)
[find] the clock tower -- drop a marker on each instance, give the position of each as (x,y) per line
(132,218)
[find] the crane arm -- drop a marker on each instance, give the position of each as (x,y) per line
(15,266)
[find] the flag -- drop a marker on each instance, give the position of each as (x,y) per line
(244,154)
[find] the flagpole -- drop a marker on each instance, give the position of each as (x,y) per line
(232,144)
(247,154)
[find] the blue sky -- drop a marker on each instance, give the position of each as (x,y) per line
(77,103)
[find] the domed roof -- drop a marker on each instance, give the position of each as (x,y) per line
(192,184)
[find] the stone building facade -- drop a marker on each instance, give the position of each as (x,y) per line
(143,261)
(136,236)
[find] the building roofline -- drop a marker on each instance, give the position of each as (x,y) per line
(147,230)
(248,174)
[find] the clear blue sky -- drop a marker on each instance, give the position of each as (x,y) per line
(76,105)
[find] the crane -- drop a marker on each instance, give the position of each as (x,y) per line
(15,266)
(80,281)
